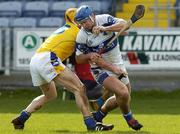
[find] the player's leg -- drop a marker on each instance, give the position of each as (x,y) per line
(68,79)
(120,90)
(112,103)
(108,98)
(49,93)
(128,116)
(42,75)
(97,104)
(129,87)
(134,124)
(96,93)
(44,67)
(106,94)
(93,89)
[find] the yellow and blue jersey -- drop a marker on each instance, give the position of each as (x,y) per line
(61,42)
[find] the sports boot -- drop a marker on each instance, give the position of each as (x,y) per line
(101,127)
(17,123)
(134,124)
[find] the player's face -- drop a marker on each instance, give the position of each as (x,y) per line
(88,24)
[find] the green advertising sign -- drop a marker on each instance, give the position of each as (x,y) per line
(30,41)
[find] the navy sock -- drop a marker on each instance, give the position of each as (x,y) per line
(24,116)
(99,115)
(128,116)
(90,122)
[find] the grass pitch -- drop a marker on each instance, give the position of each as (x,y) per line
(159,112)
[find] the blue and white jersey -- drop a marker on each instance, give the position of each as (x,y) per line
(87,42)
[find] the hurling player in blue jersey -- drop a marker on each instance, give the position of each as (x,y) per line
(96,32)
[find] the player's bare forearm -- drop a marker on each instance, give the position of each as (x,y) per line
(103,64)
(112,28)
(108,66)
(115,27)
(85,58)
(82,58)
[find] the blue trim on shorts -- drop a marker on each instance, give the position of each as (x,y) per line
(54,59)
(102,77)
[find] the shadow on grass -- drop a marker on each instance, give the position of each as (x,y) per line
(108,132)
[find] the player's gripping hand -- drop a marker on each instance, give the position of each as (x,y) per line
(98,29)
(93,57)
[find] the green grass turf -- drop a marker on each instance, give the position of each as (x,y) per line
(159,112)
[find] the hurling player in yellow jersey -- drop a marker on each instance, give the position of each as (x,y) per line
(46,69)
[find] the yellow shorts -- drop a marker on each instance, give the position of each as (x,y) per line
(44,67)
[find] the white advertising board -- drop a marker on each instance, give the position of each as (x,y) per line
(153,49)
(26,43)
(141,49)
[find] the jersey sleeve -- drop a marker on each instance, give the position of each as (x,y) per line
(81,46)
(108,20)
